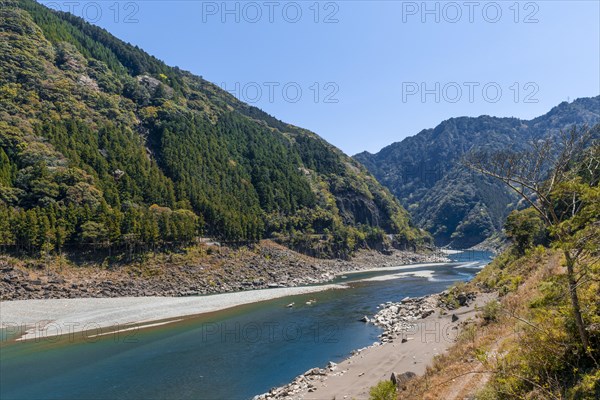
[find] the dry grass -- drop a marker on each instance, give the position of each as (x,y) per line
(467,366)
(464,367)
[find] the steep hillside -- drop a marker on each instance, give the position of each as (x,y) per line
(537,336)
(104,144)
(458,207)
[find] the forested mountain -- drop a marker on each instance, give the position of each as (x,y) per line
(104,144)
(458,207)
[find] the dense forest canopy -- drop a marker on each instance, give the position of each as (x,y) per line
(103,144)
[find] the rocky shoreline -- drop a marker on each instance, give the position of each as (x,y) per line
(397,319)
(268,265)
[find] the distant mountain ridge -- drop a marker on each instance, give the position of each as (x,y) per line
(457,207)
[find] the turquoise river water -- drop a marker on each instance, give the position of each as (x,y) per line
(231,354)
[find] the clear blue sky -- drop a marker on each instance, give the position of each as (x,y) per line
(373,57)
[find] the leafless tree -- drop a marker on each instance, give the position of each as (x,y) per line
(534,174)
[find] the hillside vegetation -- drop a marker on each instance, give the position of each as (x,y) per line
(458,207)
(103,145)
(541,340)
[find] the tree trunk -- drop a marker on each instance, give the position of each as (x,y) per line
(575,301)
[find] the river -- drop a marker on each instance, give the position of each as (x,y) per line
(231,354)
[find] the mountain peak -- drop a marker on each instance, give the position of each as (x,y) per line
(424,171)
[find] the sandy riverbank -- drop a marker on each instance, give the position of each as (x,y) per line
(409,352)
(433,335)
(396,268)
(45,318)
(51,317)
